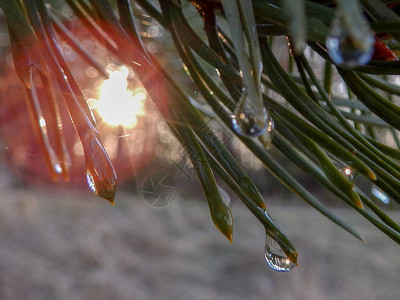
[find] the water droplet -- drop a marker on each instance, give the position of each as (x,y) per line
(247,123)
(378,193)
(342,47)
(275,256)
(101,176)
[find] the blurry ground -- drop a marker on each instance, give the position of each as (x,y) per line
(65,245)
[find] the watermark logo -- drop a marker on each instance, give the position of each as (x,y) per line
(159,189)
(211,132)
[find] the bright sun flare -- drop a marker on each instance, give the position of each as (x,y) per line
(116,104)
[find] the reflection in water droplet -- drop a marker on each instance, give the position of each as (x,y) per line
(275,256)
(185,68)
(378,193)
(42,123)
(90,182)
(346,171)
(225,196)
(342,47)
(247,123)
(266,137)
(58,168)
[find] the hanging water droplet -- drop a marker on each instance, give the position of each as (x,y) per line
(342,47)
(247,123)
(101,176)
(90,182)
(275,256)
(378,193)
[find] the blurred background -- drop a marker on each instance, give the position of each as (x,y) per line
(59,241)
(69,244)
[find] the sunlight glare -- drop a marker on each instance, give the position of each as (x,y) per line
(117,105)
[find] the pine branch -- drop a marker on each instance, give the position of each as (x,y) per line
(329,136)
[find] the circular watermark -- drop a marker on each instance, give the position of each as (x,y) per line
(159,189)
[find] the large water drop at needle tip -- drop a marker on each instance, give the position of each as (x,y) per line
(275,256)
(344,50)
(247,123)
(100,174)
